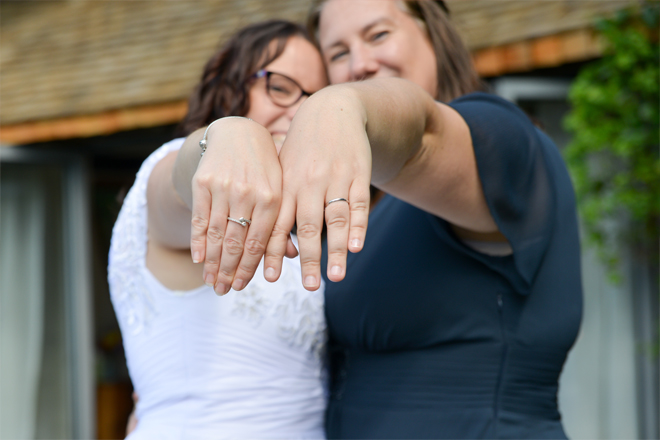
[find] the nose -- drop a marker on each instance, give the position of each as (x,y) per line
(363,64)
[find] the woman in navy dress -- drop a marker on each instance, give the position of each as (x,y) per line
(452,316)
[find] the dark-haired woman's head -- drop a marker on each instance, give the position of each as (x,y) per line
(263,72)
(415,40)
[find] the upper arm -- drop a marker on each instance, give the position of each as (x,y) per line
(442,177)
(522,175)
(512,161)
(168,216)
(482,167)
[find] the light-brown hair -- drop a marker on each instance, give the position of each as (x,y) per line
(456,73)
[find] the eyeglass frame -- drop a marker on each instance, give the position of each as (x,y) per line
(267,73)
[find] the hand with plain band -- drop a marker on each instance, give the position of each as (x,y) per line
(338,199)
(325,156)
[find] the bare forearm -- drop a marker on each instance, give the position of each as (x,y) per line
(169,217)
(186,165)
(421,150)
(395,114)
(169,195)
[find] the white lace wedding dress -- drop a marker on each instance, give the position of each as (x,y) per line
(245,365)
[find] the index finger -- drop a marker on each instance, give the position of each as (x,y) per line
(309,218)
(277,244)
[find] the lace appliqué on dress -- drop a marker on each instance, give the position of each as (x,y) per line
(299,314)
(299,321)
(251,304)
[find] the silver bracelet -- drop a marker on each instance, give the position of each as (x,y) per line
(202,143)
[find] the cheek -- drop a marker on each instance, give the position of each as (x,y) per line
(339,73)
(254,105)
(395,55)
(260,108)
(417,64)
(427,72)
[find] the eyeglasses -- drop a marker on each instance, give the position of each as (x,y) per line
(281,89)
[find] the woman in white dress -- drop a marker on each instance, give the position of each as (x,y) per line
(247,364)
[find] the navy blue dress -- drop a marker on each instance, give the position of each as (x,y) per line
(431,339)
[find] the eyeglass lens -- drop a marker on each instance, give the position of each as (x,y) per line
(282,90)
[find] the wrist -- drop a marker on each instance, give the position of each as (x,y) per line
(203,143)
(340,99)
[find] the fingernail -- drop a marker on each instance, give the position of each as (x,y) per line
(270,273)
(310,281)
(355,243)
(196,257)
(335,270)
(220,289)
(209,279)
(238,285)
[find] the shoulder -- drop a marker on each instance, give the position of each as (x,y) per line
(494,112)
(155,157)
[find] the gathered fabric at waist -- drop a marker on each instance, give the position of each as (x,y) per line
(485,382)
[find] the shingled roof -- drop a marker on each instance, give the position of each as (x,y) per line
(68,59)
(79,57)
(487,23)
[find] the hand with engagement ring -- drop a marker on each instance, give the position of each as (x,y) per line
(236,193)
(241,221)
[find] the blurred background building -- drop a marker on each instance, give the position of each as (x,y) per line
(89,88)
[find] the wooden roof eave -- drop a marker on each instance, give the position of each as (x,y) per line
(98,124)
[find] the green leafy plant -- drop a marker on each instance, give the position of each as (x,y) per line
(614,157)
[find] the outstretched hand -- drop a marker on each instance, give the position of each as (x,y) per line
(326,156)
(238,177)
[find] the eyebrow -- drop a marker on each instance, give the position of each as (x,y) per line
(363,31)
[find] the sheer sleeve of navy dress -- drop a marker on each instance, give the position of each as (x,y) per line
(430,338)
(245,365)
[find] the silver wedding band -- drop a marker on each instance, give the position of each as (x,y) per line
(241,221)
(340,199)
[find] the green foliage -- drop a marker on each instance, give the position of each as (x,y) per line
(614,157)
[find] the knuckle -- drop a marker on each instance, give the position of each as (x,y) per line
(200,223)
(233,246)
(214,234)
(268,198)
(197,242)
(224,185)
(309,263)
(338,252)
(219,185)
(242,190)
(278,231)
(337,222)
(224,277)
(211,261)
(271,256)
(359,206)
(244,273)
(202,180)
(254,247)
(308,230)
(359,228)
